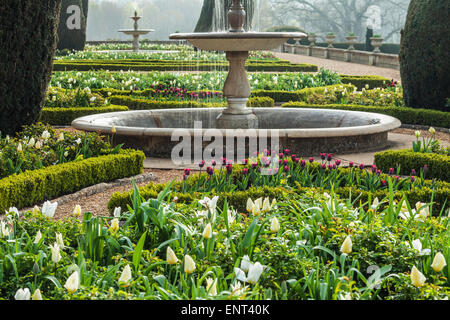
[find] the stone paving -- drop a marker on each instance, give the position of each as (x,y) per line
(341,67)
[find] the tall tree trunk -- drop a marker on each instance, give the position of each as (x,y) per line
(27,46)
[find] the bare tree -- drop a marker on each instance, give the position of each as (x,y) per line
(344,16)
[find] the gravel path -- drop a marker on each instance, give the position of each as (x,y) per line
(340,66)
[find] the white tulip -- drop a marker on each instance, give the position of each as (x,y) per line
(417,278)
(77,210)
(250,205)
(438,262)
(45,135)
(117,212)
(237,290)
(171,256)
(49,209)
(209,203)
(254,273)
(114,225)
(245,263)
(4,229)
(207,233)
(31,143)
(347,245)
(56,255)
(60,241)
(38,144)
(266,205)
(73,282)
(19,147)
(22,294)
(189,264)
(36,295)
(275,225)
(38,237)
(125,277)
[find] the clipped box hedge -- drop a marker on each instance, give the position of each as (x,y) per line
(361,81)
(423,117)
(238,199)
(87,65)
(31,187)
(147,104)
(65,116)
(298,95)
(438,165)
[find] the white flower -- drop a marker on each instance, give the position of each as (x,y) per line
(73,282)
(207,233)
(4,229)
(171,256)
(209,203)
(189,264)
(38,237)
(254,273)
(66,153)
(31,142)
(125,277)
(245,263)
(13,210)
(48,209)
(250,205)
(347,245)
(60,137)
(78,141)
(275,225)
(114,225)
(266,205)
(77,210)
(432,130)
(22,294)
(417,134)
(417,278)
(417,245)
(438,262)
(237,290)
(36,295)
(117,212)
(422,212)
(19,147)
(211,286)
(56,255)
(38,144)
(59,240)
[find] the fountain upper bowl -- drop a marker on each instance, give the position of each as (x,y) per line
(237,41)
(133,32)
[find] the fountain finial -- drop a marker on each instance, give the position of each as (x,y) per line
(236,17)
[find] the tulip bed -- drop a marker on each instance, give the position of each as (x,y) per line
(284,246)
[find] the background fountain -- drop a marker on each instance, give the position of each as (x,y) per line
(136,33)
(304,131)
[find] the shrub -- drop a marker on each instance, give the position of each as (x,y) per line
(438,165)
(146,104)
(361,81)
(65,116)
(299,95)
(424,42)
(406,115)
(26,59)
(31,187)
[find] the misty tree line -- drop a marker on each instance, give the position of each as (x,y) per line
(320,16)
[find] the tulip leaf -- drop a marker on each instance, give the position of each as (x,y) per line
(54,280)
(137,254)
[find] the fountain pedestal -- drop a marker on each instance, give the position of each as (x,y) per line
(237,90)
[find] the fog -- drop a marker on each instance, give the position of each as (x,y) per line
(320,16)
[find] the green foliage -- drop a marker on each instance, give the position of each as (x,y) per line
(31,187)
(147,104)
(65,116)
(26,59)
(171,65)
(361,81)
(415,116)
(424,42)
(74,39)
(438,165)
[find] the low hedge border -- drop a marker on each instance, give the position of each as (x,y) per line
(84,65)
(31,187)
(147,104)
(238,199)
(413,116)
(438,165)
(361,81)
(298,95)
(65,116)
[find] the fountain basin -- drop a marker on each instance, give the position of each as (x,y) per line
(306,132)
(237,41)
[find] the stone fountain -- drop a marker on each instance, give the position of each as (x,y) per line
(237,43)
(136,32)
(303,131)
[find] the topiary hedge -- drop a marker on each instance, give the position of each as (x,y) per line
(424,117)
(361,81)
(425,56)
(87,65)
(28,43)
(65,116)
(438,165)
(31,187)
(298,95)
(147,104)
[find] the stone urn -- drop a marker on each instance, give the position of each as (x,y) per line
(351,41)
(312,38)
(330,38)
(376,43)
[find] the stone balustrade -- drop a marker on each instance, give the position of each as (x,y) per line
(363,57)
